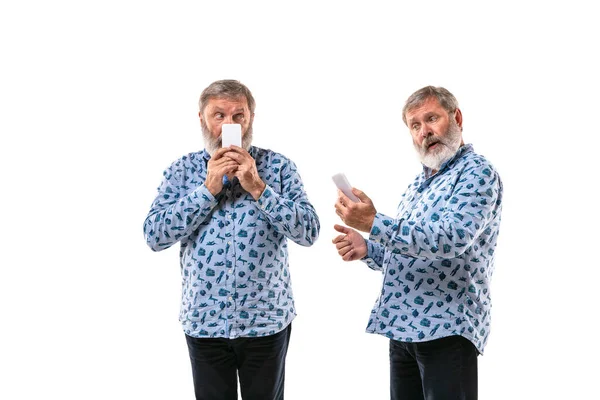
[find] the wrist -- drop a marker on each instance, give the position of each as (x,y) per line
(212,189)
(260,188)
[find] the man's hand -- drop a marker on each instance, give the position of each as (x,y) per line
(246,171)
(357,215)
(351,245)
(218,166)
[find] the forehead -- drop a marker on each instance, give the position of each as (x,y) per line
(431,105)
(227,103)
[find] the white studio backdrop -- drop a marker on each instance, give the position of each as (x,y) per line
(98,97)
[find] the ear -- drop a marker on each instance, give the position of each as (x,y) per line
(200,115)
(458,118)
(252,118)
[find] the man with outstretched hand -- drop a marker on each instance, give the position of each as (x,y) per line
(436,254)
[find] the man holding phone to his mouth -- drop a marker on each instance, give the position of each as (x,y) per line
(437,256)
(232,210)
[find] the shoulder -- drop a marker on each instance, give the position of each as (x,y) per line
(271,158)
(475,163)
(190,161)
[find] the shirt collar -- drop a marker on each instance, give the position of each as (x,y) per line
(467,148)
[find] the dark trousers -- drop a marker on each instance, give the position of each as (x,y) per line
(441,369)
(259,361)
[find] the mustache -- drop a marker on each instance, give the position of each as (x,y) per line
(429,141)
(212,144)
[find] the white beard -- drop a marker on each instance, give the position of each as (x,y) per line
(447,147)
(212,144)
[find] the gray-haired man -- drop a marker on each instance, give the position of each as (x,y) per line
(232,210)
(436,254)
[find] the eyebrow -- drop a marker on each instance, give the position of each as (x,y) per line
(238,110)
(428,114)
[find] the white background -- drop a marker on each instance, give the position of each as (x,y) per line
(98,97)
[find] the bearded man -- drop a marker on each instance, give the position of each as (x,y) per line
(232,210)
(436,254)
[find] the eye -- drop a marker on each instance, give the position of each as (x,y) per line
(238,117)
(219,115)
(433,118)
(415,127)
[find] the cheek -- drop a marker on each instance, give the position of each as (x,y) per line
(245,126)
(215,129)
(441,131)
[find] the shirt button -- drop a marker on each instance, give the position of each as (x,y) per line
(229,242)
(230,271)
(230,298)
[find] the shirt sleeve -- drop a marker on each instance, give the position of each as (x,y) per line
(174,215)
(290,212)
(374,257)
(447,233)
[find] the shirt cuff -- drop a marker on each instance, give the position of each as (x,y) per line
(202,192)
(379,229)
(370,251)
(267,199)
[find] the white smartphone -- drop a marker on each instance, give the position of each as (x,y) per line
(231,134)
(342,183)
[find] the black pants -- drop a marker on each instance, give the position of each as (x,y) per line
(260,362)
(436,370)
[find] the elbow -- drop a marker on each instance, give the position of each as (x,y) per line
(311,234)
(152,239)
(153,243)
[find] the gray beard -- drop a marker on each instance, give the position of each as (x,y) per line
(447,147)
(212,144)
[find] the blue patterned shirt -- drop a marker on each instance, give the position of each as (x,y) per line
(233,255)
(437,255)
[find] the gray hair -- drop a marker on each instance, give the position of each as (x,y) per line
(228,89)
(443,96)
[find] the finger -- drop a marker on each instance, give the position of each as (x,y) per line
(220,163)
(342,244)
(235,156)
(339,206)
(219,153)
(349,256)
(344,250)
(225,158)
(338,238)
(347,201)
(361,195)
(341,228)
(239,151)
(342,198)
(220,166)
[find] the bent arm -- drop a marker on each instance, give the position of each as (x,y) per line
(173,216)
(449,232)
(290,212)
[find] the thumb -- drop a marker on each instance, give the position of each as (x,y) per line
(341,229)
(361,195)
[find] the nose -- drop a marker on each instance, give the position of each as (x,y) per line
(425,131)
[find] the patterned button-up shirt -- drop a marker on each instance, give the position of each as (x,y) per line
(437,255)
(233,256)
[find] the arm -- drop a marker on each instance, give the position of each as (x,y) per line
(374,257)
(450,232)
(173,215)
(290,212)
